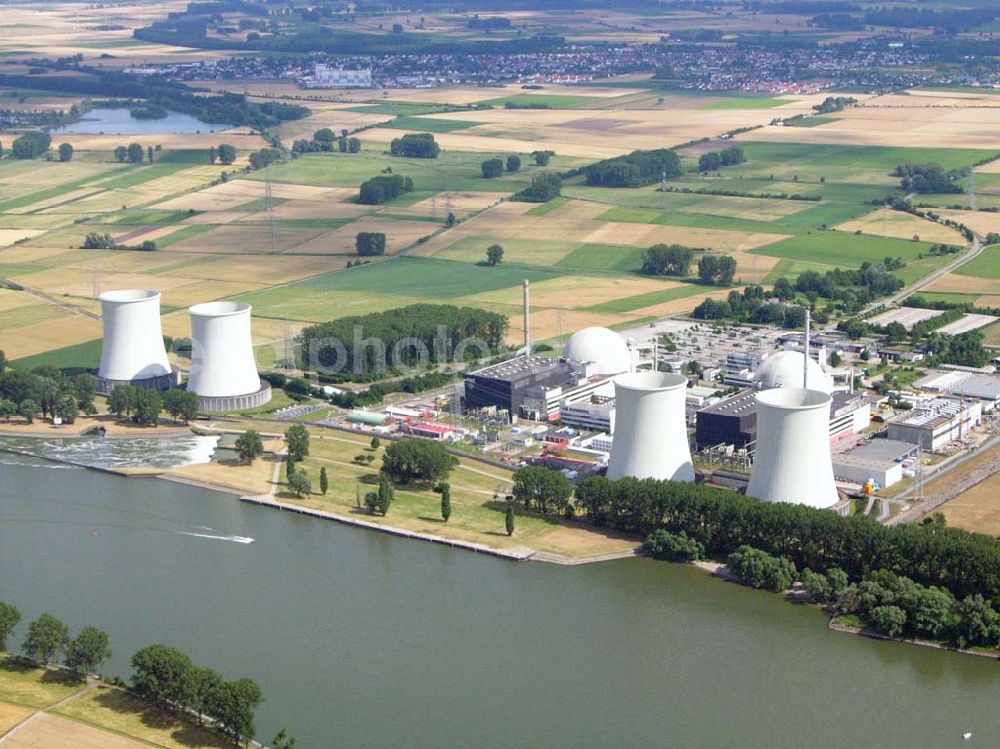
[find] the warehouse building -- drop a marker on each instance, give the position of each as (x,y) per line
(963,384)
(882,461)
(934,423)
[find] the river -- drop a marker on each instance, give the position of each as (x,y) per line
(364,640)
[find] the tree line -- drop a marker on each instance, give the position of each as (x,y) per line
(927,178)
(722,521)
(161,675)
(361,345)
(415,146)
(143,406)
(714,160)
(636,169)
(383,188)
(543,188)
(45,391)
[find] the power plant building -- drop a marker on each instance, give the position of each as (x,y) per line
(651,439)
(792,462)
(934,423)
(132,350)
(223,369)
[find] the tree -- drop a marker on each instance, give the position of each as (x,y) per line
(250,446)
(417,459)
(206,684)
(324,482)
(120,400)
(297,441)
(8,408)
(135,153)
(354,145)
(977,621)
(149,154)
(32,144)
(667,260)
(494,254)
(376,443)
(29,410)
(717,269)
(121,153)
(9,618)
(3,361)
(385,495)
(542,157)
(709,162)
(370,243)
(67,409)
(674,547)
(283,741)
(227,154)
(180,404)
(237,702)
(371,501)
(895,332)
(213,155)
(446,502)
(492,168)
(65,152)
(89,651)
(508,519)
(146,407)
(544,187)
(415,146)
(513,163)
(546,490)
(300,483)
(46,640)
(889,620)
(164,675)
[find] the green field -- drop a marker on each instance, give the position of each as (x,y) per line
(452,170)
(640,301)
(604,257)
(428,124)
(747,102)
(810,121)
(836,248)
(984,265)
(82,355)
(554,101)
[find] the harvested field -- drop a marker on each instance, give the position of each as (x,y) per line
(981,222)
(886,222)
(50,334)
(755,209)
(461,203)
(977,509)
(10,236)
(959,284)
(906,316)
(257,269)
(569,292)
(549,323)
(55,732)
(245,239)
(398,236)
(11,715)
(678,306)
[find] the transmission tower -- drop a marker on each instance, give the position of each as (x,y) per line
(559,323)
(95,278)
(434,206)
(972,188)
(447,203)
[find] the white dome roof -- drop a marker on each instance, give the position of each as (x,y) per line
(605,348)
(784,370)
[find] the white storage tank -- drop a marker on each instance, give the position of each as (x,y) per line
(650,439)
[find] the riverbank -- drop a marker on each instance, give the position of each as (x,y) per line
(112,426)
(838,626)
(51,707)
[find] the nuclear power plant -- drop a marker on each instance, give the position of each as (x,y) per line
(651,432)
(793,461)
(223,370)
(132,351)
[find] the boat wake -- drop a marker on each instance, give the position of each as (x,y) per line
(231,539)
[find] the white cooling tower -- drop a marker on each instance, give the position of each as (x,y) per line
(223,370)
(650,438)
(792,462)
(132,349)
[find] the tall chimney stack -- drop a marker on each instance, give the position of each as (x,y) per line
(805,360)
(527,326)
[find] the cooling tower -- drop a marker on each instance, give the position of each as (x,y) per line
(223,370)
(132,351)
(650,429)
(792,463)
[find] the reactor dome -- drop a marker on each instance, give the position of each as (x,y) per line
(784,370)
(604,348)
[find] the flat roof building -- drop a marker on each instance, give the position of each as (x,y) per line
(935,423)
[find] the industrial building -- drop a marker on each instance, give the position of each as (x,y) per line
(596,415)
(651,439)
(963,384)
(934,423)
(537,388)
(881,461)
(733,421)
(780,369)
(132,350)
(792,462)
(223,370)
(326,76)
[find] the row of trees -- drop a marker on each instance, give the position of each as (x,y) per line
(492,168)
(369,346)
(636,169)
(133,153)
(751,305)
(543,188)
(722,521)
(104,241)
(45,391)
(713,160)
(323,140)
(47,641)
(382,188)
(927,178)
(668,260)
(32,144)
(719,270)
(415,146)
(536,487)
(143,406)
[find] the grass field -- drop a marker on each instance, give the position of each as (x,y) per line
(985,265)
(553,101)
(428,124)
